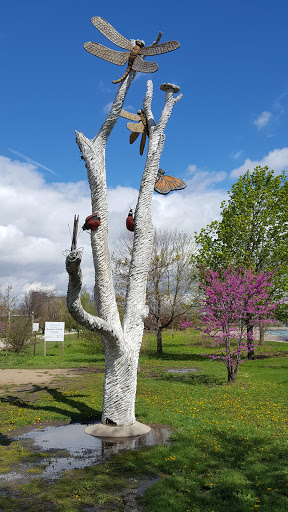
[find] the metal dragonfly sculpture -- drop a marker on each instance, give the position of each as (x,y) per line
(165,184)
(136,128)
(136,49)
(75,232)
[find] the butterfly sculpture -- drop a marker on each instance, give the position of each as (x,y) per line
(165,184)
(136,50)
(75,231)
(136,128)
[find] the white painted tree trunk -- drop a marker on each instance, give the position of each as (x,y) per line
(121,342)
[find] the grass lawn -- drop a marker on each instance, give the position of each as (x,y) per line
(227,452)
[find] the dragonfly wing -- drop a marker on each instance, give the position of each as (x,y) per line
(160,48)
(136,127)
(108,31)
(144,66)
(104,53)
(129,115)
(133,137)
(142,143)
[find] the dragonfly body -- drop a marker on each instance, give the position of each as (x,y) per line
(131,59)
(136,128)
(137,50)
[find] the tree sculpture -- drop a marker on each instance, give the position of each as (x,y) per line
(121,341)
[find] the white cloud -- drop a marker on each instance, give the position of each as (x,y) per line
(201,179)
(276,160)
(262,120)
(34,217)
(38,286)
(34,231)
(107,107)
(188,210)
(191,169)
(103,87)
(237,155)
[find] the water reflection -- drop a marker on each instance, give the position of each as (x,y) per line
(283,333)
(69,447)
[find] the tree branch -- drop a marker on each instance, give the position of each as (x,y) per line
(144,231)
(91,322)
(93,152)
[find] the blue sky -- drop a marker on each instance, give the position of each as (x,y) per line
(231,68)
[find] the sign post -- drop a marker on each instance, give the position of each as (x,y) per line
(35,329)
(54,331)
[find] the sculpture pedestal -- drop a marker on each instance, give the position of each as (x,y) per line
(100,430)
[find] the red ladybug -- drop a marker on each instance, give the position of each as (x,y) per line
(92,222)
(130,221)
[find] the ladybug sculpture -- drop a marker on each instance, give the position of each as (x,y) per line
(92,222)
(130,221)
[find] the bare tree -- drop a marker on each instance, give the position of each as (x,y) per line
(45,305)
(170,289)
(170,285)
(19,333)
(122,341)
(7,308)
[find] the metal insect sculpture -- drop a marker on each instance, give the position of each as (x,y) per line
(92,222)
(136,128)
(165,184)
(75,231)
(136,49)
(130,221)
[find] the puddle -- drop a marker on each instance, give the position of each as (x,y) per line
(182,370)
(69,447)
(279,332)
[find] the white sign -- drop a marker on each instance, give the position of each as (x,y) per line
(54,331)
(35,327)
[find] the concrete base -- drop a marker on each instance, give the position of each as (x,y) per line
(108,431)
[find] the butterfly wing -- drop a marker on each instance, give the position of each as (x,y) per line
(165,184)
(129,115)
(104,53)
(108,31)
(144,66)
(160,48)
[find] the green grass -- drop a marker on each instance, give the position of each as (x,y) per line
(228,448)
(77,353)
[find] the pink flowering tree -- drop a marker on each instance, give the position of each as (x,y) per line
(231,302)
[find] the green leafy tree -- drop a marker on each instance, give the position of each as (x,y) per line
(253,230)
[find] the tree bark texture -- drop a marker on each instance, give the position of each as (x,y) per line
(262,335)
(159,341)
(121,341)
(250,342)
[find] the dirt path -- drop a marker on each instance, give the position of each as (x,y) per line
(17,377)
